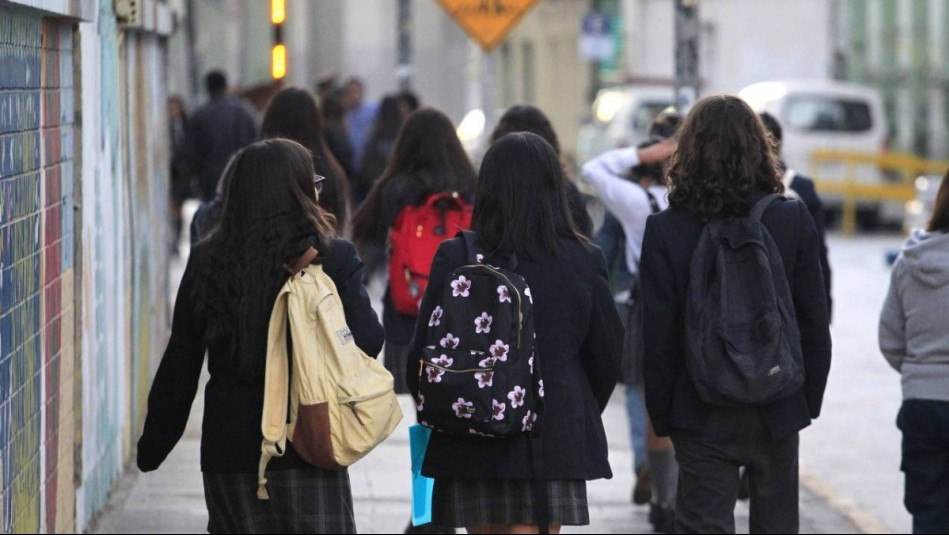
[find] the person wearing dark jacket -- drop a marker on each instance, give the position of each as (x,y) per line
(723,165)
(223,307)
(799,186)
(484,484)
(526,118)
(427,159)
(217,130)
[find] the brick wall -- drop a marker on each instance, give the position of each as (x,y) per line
(37,244)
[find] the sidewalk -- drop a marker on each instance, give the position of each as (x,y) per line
(171,499)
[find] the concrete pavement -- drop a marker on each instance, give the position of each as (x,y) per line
(171,500)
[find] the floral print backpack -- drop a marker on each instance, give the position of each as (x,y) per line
(479,374)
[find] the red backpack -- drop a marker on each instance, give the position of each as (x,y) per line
(414,239)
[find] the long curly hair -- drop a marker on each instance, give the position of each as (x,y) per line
(724,154)
(270,217)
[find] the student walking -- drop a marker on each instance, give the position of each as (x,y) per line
(722,168)
(913,327)
(270,218)
(522,221)
(427,159)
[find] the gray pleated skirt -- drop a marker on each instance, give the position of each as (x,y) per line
(465,502)
(302,500)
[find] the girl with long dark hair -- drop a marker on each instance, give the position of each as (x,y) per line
(293,114)
(271,216)
(427,159)
(379,145)
(485,484)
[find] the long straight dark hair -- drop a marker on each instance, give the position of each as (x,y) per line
(293,114)
(270,217)
(427,151)
(940,219)
(521,203)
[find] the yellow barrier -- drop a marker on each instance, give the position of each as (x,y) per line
(851,190)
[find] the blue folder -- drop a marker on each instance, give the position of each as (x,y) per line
(421,486)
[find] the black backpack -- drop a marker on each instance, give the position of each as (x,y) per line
(478,373)
(743,346)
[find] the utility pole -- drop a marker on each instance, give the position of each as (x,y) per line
(404,71)
(595,79)
(687,53)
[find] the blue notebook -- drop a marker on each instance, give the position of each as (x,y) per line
(421,486)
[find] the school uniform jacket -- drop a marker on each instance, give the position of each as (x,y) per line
(671,398)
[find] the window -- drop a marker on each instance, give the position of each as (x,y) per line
(827,114)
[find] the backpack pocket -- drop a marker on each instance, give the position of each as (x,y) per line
(456,389)
(368,413)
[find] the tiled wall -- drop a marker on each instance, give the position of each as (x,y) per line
(37,245)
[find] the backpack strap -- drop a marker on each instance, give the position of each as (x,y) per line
(305,260)
(273,424)
(764,204)
(472,250)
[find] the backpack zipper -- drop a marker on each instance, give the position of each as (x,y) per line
(496,273)
(437,367)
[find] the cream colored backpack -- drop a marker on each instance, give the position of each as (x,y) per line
(341,401)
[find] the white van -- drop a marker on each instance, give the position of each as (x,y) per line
(826,114)
(621,118)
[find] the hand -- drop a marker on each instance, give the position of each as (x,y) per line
(658,152)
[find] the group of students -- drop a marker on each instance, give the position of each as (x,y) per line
(273,207)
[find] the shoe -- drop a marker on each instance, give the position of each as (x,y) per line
(642,490)
(662,518)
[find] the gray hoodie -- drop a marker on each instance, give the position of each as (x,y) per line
(914,324)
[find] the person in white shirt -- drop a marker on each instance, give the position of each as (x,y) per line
(632,202)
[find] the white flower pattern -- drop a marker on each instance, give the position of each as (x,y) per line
(517,397)
(528,421)
(434,374)
(462,408)
(540,390)
(479,258)
(499,350)
(436,318)
(420,403)
(504,295)
(488,362)
(443,361)
(483,323)
(530,362)
(498,409)
(450,341)
(485,379)
(460,287)
(527,292)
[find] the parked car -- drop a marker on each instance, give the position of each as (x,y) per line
(826,114)
(621,118)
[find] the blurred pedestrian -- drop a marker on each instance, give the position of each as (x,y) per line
(271,216)
(724,165)
(180,168)
(379,145)
(293,114)
(337,138)
(631,184)
(485,484)
(799,186)
(526,118)
(408,102)
(427,159)
(218,129)
(360,116)
(913,328)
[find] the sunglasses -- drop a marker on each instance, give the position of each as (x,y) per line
(318,182)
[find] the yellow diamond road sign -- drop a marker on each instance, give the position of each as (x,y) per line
(487,21)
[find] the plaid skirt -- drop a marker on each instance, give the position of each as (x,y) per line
(472,502)
(302,500)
